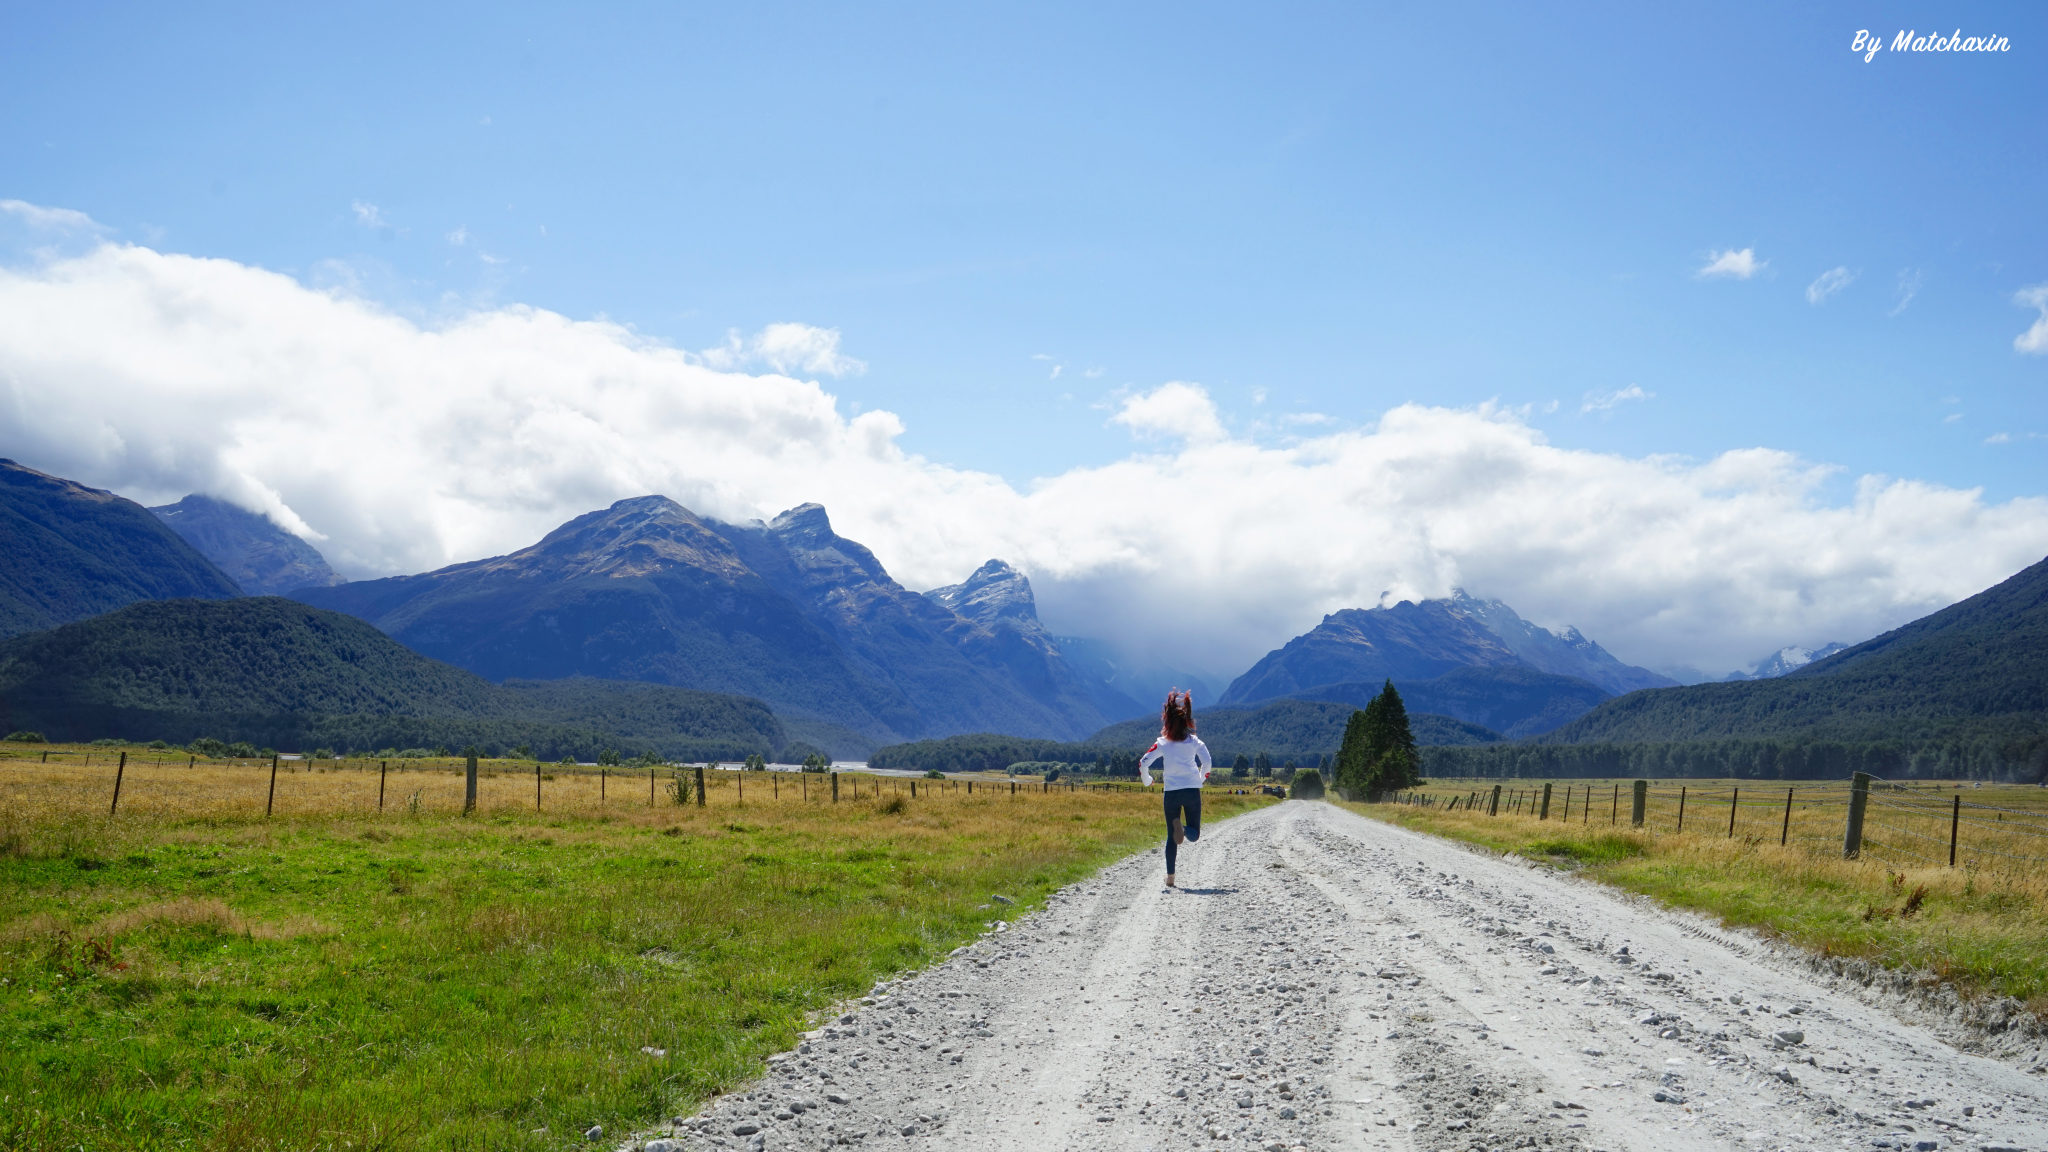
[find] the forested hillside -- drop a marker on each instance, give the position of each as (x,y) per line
(68,552)
(271,671)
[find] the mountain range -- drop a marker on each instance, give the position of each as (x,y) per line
(786,611)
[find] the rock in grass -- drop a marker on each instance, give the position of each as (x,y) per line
(594,1133)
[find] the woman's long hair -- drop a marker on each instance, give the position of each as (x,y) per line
(1177,715)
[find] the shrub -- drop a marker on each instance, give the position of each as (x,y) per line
(242,750)
(935,774)
(208,746)
(27,737)
(1308,785)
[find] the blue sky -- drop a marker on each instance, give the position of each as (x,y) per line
(1337,209)
(1690,327)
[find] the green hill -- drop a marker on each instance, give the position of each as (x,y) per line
(68,552)
(276,672)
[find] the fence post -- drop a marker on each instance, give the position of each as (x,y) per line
(1733,794)
(1681,808)
(271,801)
(383,770)
(1955,820)
(700,785)
(469,787)
(1785,833)
(536,785)
(1493,808)
(1859,798)
(1614,815)
(835,788)
(1545,813)
(122,770)
(1638,801)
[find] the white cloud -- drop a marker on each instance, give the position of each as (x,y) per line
(1605,401)
(1909,287)
(1258,395)
(1951,418)
(1999,438)
(367,214)
(786,348)
(1736,265)
(2035,339)
(50,219)
(1830,282)
(1175,408)
(1094,373)
(412,447)
(459,237)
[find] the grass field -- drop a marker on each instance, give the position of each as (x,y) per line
(190,974)
(1982,924)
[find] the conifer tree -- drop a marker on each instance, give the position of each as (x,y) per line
(1395,762)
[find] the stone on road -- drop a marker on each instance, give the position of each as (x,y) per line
(1325,981)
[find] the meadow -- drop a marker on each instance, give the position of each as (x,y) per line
(189,973)
(1770,856)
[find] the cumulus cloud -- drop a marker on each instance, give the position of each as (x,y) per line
(786,348)
(411,446)
(1606,401)
(1731,264)
(1829,282)
(367,214)
(1176,409)
(2035,339)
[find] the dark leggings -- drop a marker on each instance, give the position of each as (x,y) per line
(1185,805)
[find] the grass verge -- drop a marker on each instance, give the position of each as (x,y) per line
(1981,929)
(339,978)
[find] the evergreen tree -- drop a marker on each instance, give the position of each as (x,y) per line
(1395,764)
(1240,767)
(1262,764)
(1352,771)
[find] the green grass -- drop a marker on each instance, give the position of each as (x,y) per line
(356,981)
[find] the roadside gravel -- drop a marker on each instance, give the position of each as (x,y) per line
(1324,981)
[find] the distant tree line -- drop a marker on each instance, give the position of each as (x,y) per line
(2018,759)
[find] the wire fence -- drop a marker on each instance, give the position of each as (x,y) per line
(1919,823)
(142,782)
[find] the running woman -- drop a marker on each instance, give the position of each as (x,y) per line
(1185,763)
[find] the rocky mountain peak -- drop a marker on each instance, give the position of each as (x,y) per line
(995,591)
(631,538)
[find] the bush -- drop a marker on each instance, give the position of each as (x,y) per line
(242,750)
(935,774)
(816,762)
(27,737)
(1308,785)
(208,746)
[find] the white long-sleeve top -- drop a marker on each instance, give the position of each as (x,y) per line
(1184,763)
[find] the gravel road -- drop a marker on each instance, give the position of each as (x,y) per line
(1324,981)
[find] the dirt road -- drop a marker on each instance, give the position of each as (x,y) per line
(1324,981)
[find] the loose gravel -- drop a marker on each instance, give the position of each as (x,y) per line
(1323,981)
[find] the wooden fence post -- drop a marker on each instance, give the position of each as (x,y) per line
(1545,814)
(383,770)
(1859,798)
(700,785)
(835,787)
(1639,801)
(1614,815)
(272,801)
(469,786)
(1785,833)
(536,785)
(118,773)
(1733,795)
(1493,809)
(1955,821)
(1681,808)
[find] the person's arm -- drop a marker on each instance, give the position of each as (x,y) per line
(1203,759)
(1145,763)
